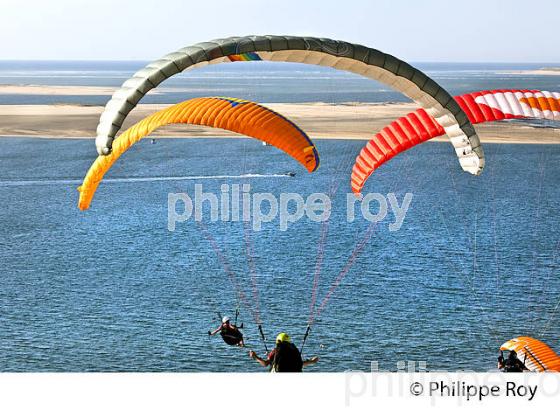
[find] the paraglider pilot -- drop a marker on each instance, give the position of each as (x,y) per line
(230,333)
(512,364)
(285,357)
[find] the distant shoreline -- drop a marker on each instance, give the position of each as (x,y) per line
(59,90)
(351,121)
(540,71)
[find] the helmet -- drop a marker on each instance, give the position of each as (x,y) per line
(225,319)
(283,337)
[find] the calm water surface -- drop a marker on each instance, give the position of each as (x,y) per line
(111,289)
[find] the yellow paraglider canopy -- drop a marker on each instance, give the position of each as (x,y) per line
(243,117)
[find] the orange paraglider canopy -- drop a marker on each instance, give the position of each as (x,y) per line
(536,355)
(240,116)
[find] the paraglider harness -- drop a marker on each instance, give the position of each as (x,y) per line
(231,336)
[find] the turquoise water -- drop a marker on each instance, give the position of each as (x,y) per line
(111,289)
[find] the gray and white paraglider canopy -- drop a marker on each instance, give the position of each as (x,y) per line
(340,55)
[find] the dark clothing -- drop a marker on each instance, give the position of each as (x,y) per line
(285,358)
(231,334)
(513,365)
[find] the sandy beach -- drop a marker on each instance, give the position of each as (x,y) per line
(541,71)
(54,90)
(343,121)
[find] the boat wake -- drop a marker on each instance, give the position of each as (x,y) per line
(36,182)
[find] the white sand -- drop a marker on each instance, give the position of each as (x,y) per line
(343,121)
(542,71)
(55,90)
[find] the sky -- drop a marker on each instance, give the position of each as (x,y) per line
(417,31)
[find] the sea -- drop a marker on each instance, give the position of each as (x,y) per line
(112,289)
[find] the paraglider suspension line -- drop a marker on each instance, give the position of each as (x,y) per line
(304,339)
(263,339)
